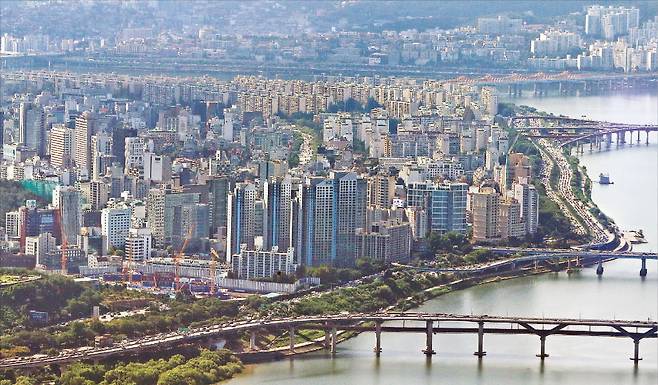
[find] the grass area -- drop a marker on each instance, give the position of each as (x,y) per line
(11,279)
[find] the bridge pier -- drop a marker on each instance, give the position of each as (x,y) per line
(647,132)
(327,338)
(378,338)
(480,352)
(599,268)
(252,340)
(643,269)
(333,340)
(291,332)
(542,347)
(636,351)
(428,342)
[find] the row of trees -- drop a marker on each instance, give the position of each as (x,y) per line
(353,105)
(209,367)
(376,294)
(82,333)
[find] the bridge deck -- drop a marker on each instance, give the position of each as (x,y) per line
(360,322)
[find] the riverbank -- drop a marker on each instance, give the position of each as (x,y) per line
(619,293)
(408,303)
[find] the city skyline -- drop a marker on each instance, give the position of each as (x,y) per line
(191,186)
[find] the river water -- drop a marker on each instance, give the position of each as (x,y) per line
(619,294)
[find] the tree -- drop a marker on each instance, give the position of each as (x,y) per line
(372,104)
(22,380)
(82,374)
(352,105)
(385,293)
(327,274)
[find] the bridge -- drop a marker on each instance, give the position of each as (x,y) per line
(380,322)
(574,258)
(568,82)
(606,132)
(563,119)
(596,132)
(548,77)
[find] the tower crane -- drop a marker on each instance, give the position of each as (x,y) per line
(179,256)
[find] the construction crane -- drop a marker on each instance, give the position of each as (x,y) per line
(127,270)
(213,271)
(179,256)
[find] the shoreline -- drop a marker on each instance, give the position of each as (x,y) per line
(276,354)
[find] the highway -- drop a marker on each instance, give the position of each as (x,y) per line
(557,196)
(535,255)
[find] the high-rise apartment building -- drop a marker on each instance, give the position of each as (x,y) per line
(62,140)
(157,168)
(350,205)
(277,223)
(447,208)
(388,241)
(485,212)
(138,245)
(262,263)
(95,193)
(135,148)
(241,214)
(381,190)
(528,199)
(161,206)
(84,127)
(610,22)
(115,224)
(101,154)
(318,220)
(219,188)
(509,220)
(68,201)
(31,127)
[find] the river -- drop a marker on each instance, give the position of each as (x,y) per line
(619,294)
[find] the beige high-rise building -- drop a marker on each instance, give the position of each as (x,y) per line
(485,212)
(381,190)
(95,193)
(62,140)
(509,221)
(84,126)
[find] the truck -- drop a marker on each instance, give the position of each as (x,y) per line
(103,341)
